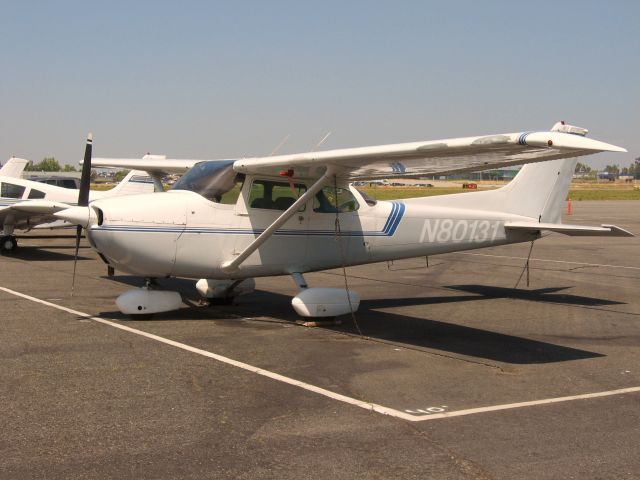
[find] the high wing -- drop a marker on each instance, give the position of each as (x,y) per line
(436,157)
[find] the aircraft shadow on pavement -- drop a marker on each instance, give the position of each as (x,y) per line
(36,254)
(428,333)
(460,339)
(548,295)
(391,327)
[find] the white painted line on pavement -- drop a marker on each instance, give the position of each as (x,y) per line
(509,406)
(245,366)
(312,388)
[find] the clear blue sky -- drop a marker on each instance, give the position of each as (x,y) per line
(224,79)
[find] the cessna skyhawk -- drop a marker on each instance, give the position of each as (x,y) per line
(228,221)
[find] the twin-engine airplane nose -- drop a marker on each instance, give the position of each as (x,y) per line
(81,216)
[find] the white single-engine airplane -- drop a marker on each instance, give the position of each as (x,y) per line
(27,204)
(228,221)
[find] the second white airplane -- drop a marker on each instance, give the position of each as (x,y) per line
(27,204)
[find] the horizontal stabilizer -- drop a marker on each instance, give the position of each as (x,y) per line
(571,230)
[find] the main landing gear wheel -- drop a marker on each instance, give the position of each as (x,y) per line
(8,244)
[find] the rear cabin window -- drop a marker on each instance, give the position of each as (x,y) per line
(10,190)
(274,195)
(36,194)
(334,200)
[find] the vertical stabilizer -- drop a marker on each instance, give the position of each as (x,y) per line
(537,191)
(14,167)
(540,189)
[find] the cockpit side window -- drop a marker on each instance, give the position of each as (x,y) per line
(274,195)
(11,190)
(335,200)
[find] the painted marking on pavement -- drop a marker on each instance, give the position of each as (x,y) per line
(312,388)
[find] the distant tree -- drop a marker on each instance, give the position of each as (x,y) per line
(48,164)
(119,175)
(69,168)
(582,168)
(615,169)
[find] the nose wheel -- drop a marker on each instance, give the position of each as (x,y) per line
(8,244)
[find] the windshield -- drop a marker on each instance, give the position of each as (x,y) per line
(212,180)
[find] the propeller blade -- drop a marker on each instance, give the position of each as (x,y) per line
(85,179)
(83,199)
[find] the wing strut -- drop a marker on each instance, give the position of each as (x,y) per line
(232,265)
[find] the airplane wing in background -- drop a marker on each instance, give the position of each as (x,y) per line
(437,157)
(30,213)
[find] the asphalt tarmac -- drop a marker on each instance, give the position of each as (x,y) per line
(457,374)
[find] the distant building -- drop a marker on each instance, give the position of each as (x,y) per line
(60,179)
(507,173)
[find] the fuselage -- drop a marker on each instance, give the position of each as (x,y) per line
(181,233)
